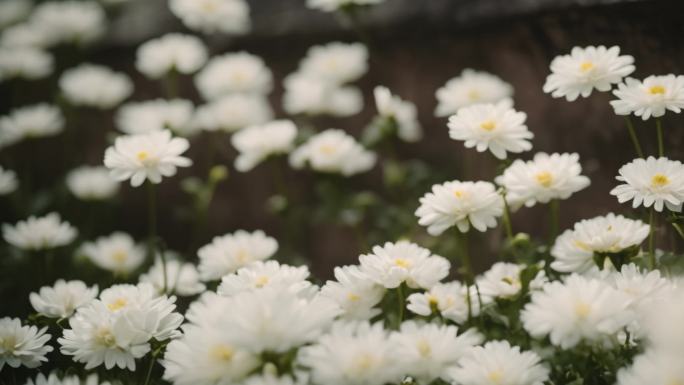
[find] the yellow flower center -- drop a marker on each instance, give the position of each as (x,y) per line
(582,310)
(582,246)
(8,344)
(104,337)
(328,149)
(364,361)
(402,262)
(474,95)
(659,180)
(118,304)
(242,256)
(208,6)
(424,348)
(495,376)
(432,300)
(142,156)
(675,381)
(459,194)
(544,178)
(586,66)
(353,297)
(120,256)
(488,125)
(261,281)
(222,352)
(511,281)
(656,90)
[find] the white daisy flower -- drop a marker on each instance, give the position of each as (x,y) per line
(226,254)
(586,69)
(333,151)
(471,87)
(308,95)
(210,16)
(181,278)
(184,54)
(26,35)
(146,157)
(76,22)
(91,183)
(232,73)
(8,181)
(39,233)
(652,182)
(654,368)
(402,113)
(334,5)
(660,312)
(36,121)
(650,97)
(546,177)
(461,204)
(497,362)
(62,299)
(12,11)
(355,292)
(22,345)
(575,310)
(395,263)
(449,299)
(117,253)
(642,286)
(502,280)
(96,86)
(574,250)
(265,274)
(53,379)
(157,115)
(24,63)
(496,127)
(233,112)
(256,143)
(336,62)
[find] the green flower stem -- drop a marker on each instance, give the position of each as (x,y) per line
(633,136)
(153,360)
(152,229)
(401,303)
(679,229)
(661,144)
(651,239)
(554,217)
(171,84)
(507,218)
(466,269)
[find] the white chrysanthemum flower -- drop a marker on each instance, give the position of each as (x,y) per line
(226,254)
(22,345)
(157,115)
(232,73)
(271,379)
(496,127)
(77,22)
(210,16)
(265,274)
(333,151)
(25,63)
(146,157)
(233,112)
(355,292)
(661,313)
(586,69)
(26,35)
(334,5)
(395,263)
(461,204)
(651,97)
(62,299)
(181,278)
(653,368)
(39,233)
(12,11)
(449,299)
(184,54)
(336,62)
(497,362)
(402,113)
(36,121)
(53,379)
(256,143)
(96,86)
(8,181)
(578,309)
(546,177)
(426,351)
(643,287)
(471,87)
(652,182)
(574,250)
(91,183)
(305,94)
(117,253)
(502,280)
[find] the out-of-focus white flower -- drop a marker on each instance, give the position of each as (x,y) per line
(117,253)
(578,309)
(265,274)
(210,16)
(233,112)
(334,5)
(336,63)
(181,278)
(232,73)
(271,379)
(312,96)
(402,113)
(355,292)
(96,86)
(77,22)
(650,97)
(157,115)
(36,121)
(62,299)
(497,362)
(26,63)
(471,87)
(503,280)
(226,254)
(12,11)
(22,345)
(654,368)
(39,233)
(449,299)
(642,286)
(185,54)
(661,315)
(333,151)
(546,177)
(53,379)
(256,143)
(586,69)
(26,35)
(8,181)
(146,157)
(652,182)
(574,249)
(496,127)
(395,263)
(461,204)
(91,183)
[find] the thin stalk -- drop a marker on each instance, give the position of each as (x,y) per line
(679,229)
(151,219)
(148,376)
(401,303)
(554,215)
(651,239)
(634,137)
(466,269)
(171,84)
(507,219)
(661,144)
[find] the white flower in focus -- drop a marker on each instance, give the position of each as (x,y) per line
(333,151)
(334,5)
(73,22)
(95,86)
(146,157)
(308,95)
(210,16)
(449,299)
(546,177)
(117,253)
(574,250)
(233,73)
(402,113)
(91,183)
(256,143)
(461,204)
(39,233)
(8,181)
(265,274)
(228,253)
(233,112)
(472,87)
(503,280)
(336,63)
(651,97)
(181,278)
(653,368)
(62,299)
(157,115)
(586,69)
(494,127)
(497,362)
(36,121)
(355,292)
(12,11)
(184,54)
(395,263)
(22,345)
(25,63)
(652,182)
